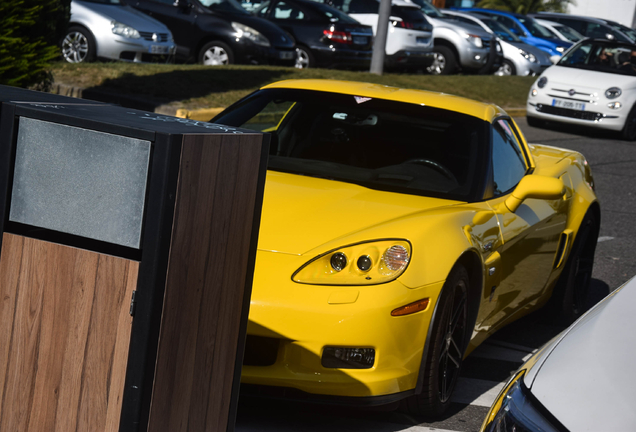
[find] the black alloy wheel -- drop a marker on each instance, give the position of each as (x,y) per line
(446,350)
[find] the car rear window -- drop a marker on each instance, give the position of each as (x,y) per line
(376,143)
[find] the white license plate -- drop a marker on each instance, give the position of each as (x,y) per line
(580,106)
(360,40)
(286,55)
(158,49)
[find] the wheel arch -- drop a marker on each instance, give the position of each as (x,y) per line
(211,38)
(473,264)
(451,46)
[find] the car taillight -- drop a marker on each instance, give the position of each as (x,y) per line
(402,24)
(338,36)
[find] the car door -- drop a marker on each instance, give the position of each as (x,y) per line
(530,234)
(180,17)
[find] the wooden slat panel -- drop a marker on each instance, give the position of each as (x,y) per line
(68,336)
(206,280)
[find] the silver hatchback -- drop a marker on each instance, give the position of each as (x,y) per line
(107,29)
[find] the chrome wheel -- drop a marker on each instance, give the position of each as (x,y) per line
(450,358)
(216,56)
(75,47)
(303,58)
(438,65)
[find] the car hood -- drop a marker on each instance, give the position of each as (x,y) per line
(456,25)
(587,380)
(301,213)
(278,37)
(541,55)
(574,77)
(125,15)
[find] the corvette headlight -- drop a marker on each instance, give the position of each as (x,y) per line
(367,263)
(515,409)
(613,92)
(251,34)
(124,30)
(528,56)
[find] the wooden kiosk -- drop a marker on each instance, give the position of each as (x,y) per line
(127,250)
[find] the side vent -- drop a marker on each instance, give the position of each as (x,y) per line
(564,248)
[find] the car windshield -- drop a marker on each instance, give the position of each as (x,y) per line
(334,14)
(501,31)
(570,34)
(376,143)
(625,30)
(535,29)
(224,6)
(429,9)
(603,56)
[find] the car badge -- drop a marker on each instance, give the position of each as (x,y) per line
(360,99)
(571,92)
(154,37)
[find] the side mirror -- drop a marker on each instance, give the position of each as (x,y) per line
(555,59)
(535,186)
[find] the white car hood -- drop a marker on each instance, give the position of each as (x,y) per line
(577,78)
(588,379)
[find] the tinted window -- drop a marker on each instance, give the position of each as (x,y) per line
(579,26)
(510,24)
(284,11)
(362,6)
(334,14)
(535,29)
(376,143)
(508,162)
(604,56)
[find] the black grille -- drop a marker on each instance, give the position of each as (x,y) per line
(565,112)
(161,37)
(260,351)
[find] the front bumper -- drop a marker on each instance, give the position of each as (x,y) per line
(136,50)
(593,117)
(295,322)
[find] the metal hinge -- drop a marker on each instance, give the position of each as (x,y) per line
(133,304)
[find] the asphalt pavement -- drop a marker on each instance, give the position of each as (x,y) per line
(485,371)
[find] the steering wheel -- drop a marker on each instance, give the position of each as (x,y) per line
(435,165)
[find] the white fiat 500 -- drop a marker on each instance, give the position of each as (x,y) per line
(593,84)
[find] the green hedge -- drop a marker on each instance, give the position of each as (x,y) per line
(30,32)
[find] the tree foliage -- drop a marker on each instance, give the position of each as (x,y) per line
(30,31)
(526,6)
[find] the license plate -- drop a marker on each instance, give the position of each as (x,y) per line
(579,106)
(158,49)
(360,40)
(423,40)
(287,55)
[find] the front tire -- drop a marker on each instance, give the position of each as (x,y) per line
(506,69)
(216,54)
(78,45)
(444,62)
(446,350)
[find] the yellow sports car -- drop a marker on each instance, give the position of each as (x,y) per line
(400,228)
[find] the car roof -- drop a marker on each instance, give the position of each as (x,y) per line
(545,15)
(481,110)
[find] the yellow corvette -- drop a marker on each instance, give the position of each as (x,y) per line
(400,228)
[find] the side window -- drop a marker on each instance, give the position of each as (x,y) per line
(363,7)
(287,12)
(263,12)
(509,165)
(579,26)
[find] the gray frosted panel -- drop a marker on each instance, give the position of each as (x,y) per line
(79,181)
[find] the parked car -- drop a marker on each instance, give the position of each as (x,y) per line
(325,36)
(460,46)
(582,380)
(519,57)
(107,29)
(593,85)
(409,41)
(591,27)
(401,228)
(560,31)
(527,29)
(220,32)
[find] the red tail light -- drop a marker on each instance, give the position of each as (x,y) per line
(402,24)
(338,36)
